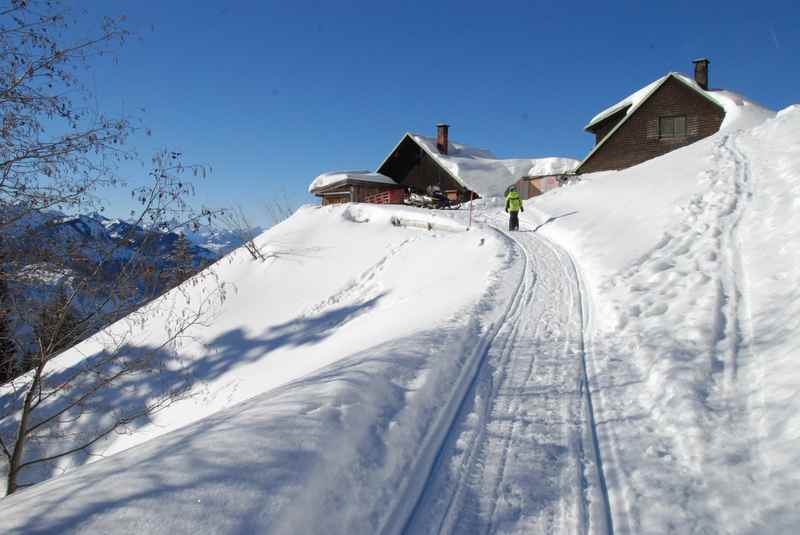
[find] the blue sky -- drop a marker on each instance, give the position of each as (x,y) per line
(270,94)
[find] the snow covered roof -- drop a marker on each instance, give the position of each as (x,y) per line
(632,100)
(732,103)
(739,110)
(328,179)
(480,171)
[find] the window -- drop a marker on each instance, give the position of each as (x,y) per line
(672,126)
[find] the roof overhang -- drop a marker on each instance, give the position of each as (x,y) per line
(325,190)
(592,126)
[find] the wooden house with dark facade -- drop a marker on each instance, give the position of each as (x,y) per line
(672,112)
(414,163)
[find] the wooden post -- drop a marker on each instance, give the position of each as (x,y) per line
(471,198)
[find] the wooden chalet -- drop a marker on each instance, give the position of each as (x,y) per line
(672,112)
(414,163)
(352,186)
(421,164)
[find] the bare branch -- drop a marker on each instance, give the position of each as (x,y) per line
(235,221)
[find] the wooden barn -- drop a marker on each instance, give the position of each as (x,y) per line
(352,186)
(672,112)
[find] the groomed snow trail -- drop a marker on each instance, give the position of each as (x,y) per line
(521,454)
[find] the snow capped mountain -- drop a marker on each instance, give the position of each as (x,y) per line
(218,241)
(55,251)
(209,242)
(626,364)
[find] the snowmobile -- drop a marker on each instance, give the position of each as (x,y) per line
(433,199)
(419,200)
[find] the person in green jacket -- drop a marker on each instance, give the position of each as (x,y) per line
(513,207)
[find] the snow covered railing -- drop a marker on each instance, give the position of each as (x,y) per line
(441,224)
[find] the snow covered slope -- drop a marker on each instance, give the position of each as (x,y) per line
(391,378)
(692,262)
(393,310)
(473,423)
(328,267)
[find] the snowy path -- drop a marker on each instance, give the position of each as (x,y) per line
(677,380)
(520,455)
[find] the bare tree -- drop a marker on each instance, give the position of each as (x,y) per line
(56,152)
(235,221)
(280,208)
(182,257)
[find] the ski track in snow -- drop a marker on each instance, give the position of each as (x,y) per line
(521,455)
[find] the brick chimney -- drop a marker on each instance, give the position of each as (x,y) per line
(441,137)
(701,72)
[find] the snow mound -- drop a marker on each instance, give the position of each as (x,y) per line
(740,112)
(403,216)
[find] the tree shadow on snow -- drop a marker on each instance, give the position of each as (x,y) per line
(245,465)
(152,375)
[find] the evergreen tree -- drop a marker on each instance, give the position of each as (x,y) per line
(7,347)
(182,260)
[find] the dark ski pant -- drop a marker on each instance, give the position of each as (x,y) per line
(513,220)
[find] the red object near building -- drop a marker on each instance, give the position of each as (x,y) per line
(392,196)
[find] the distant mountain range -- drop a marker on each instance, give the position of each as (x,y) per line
(47,241)
(126,265)
(208,243)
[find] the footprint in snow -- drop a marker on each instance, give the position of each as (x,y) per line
(657,310)
(661,265)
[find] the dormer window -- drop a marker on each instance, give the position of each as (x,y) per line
(672,127)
